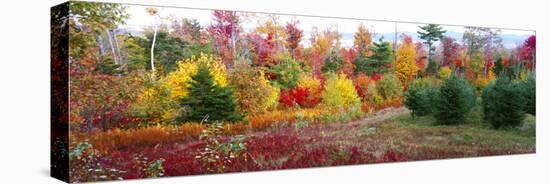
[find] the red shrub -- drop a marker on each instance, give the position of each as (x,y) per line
(301,96)
(376,77)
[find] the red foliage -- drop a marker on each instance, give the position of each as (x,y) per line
(349,56)
(450,51)
(421,56)
(376,77)
(294,37)
(506,61)
(489,63)
(263,49)
(528,51)
(225,31)
(300,96)
(391,156)
(286,98)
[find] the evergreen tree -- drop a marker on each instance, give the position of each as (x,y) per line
(503,103)
(377,62)
(333,63)
(432,68)
(456,99)
(529,88)
(208,99)
(498,69)
(431,33)
(419,98)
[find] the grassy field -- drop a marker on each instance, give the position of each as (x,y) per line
(388,135)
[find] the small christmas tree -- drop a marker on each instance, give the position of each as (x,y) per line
(503,103)
(456,99)
(207,99)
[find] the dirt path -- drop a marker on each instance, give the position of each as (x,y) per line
(381,116)
(373,119)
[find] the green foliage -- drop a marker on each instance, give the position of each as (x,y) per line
(431,33)
(89,20)
(420,97)
(499,67)
(136,56)
(390,87)
(287,73)
(529,90)
(168,50)
(333,63)
(155,169)
(503,103)
(208,100)
(432,68)
(455,100)
(377,62)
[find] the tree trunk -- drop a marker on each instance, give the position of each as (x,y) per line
(99,41)
(153,48)
(109,39)
(117,48)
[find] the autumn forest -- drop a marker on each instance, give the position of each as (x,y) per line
(160,91)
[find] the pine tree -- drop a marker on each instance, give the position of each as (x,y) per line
(529,88)
(377,62)
(455,100)
(432,68)
(207,99)
(499,67)
(503,103)
(420,97)
(333,63)
(431,33)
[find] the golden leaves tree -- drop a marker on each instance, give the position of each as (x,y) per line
(362,40)
(405,67)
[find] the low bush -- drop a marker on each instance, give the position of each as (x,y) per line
(311,83)
(364,86)
(253,94)
(304,97)
(119,138)
(389,87)
(339,92)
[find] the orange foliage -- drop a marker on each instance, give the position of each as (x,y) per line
(118,138)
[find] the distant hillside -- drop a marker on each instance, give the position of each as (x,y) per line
(508,40)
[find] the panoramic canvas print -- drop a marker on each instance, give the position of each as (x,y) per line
(145,91)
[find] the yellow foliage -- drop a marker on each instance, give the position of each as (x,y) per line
(406,68)
(158,102)
(339,91)
(272,100)
(362,39)
(178,81)
(445,72)
(483,81)
(311,83)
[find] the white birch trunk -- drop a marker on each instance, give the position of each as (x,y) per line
(153,48)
